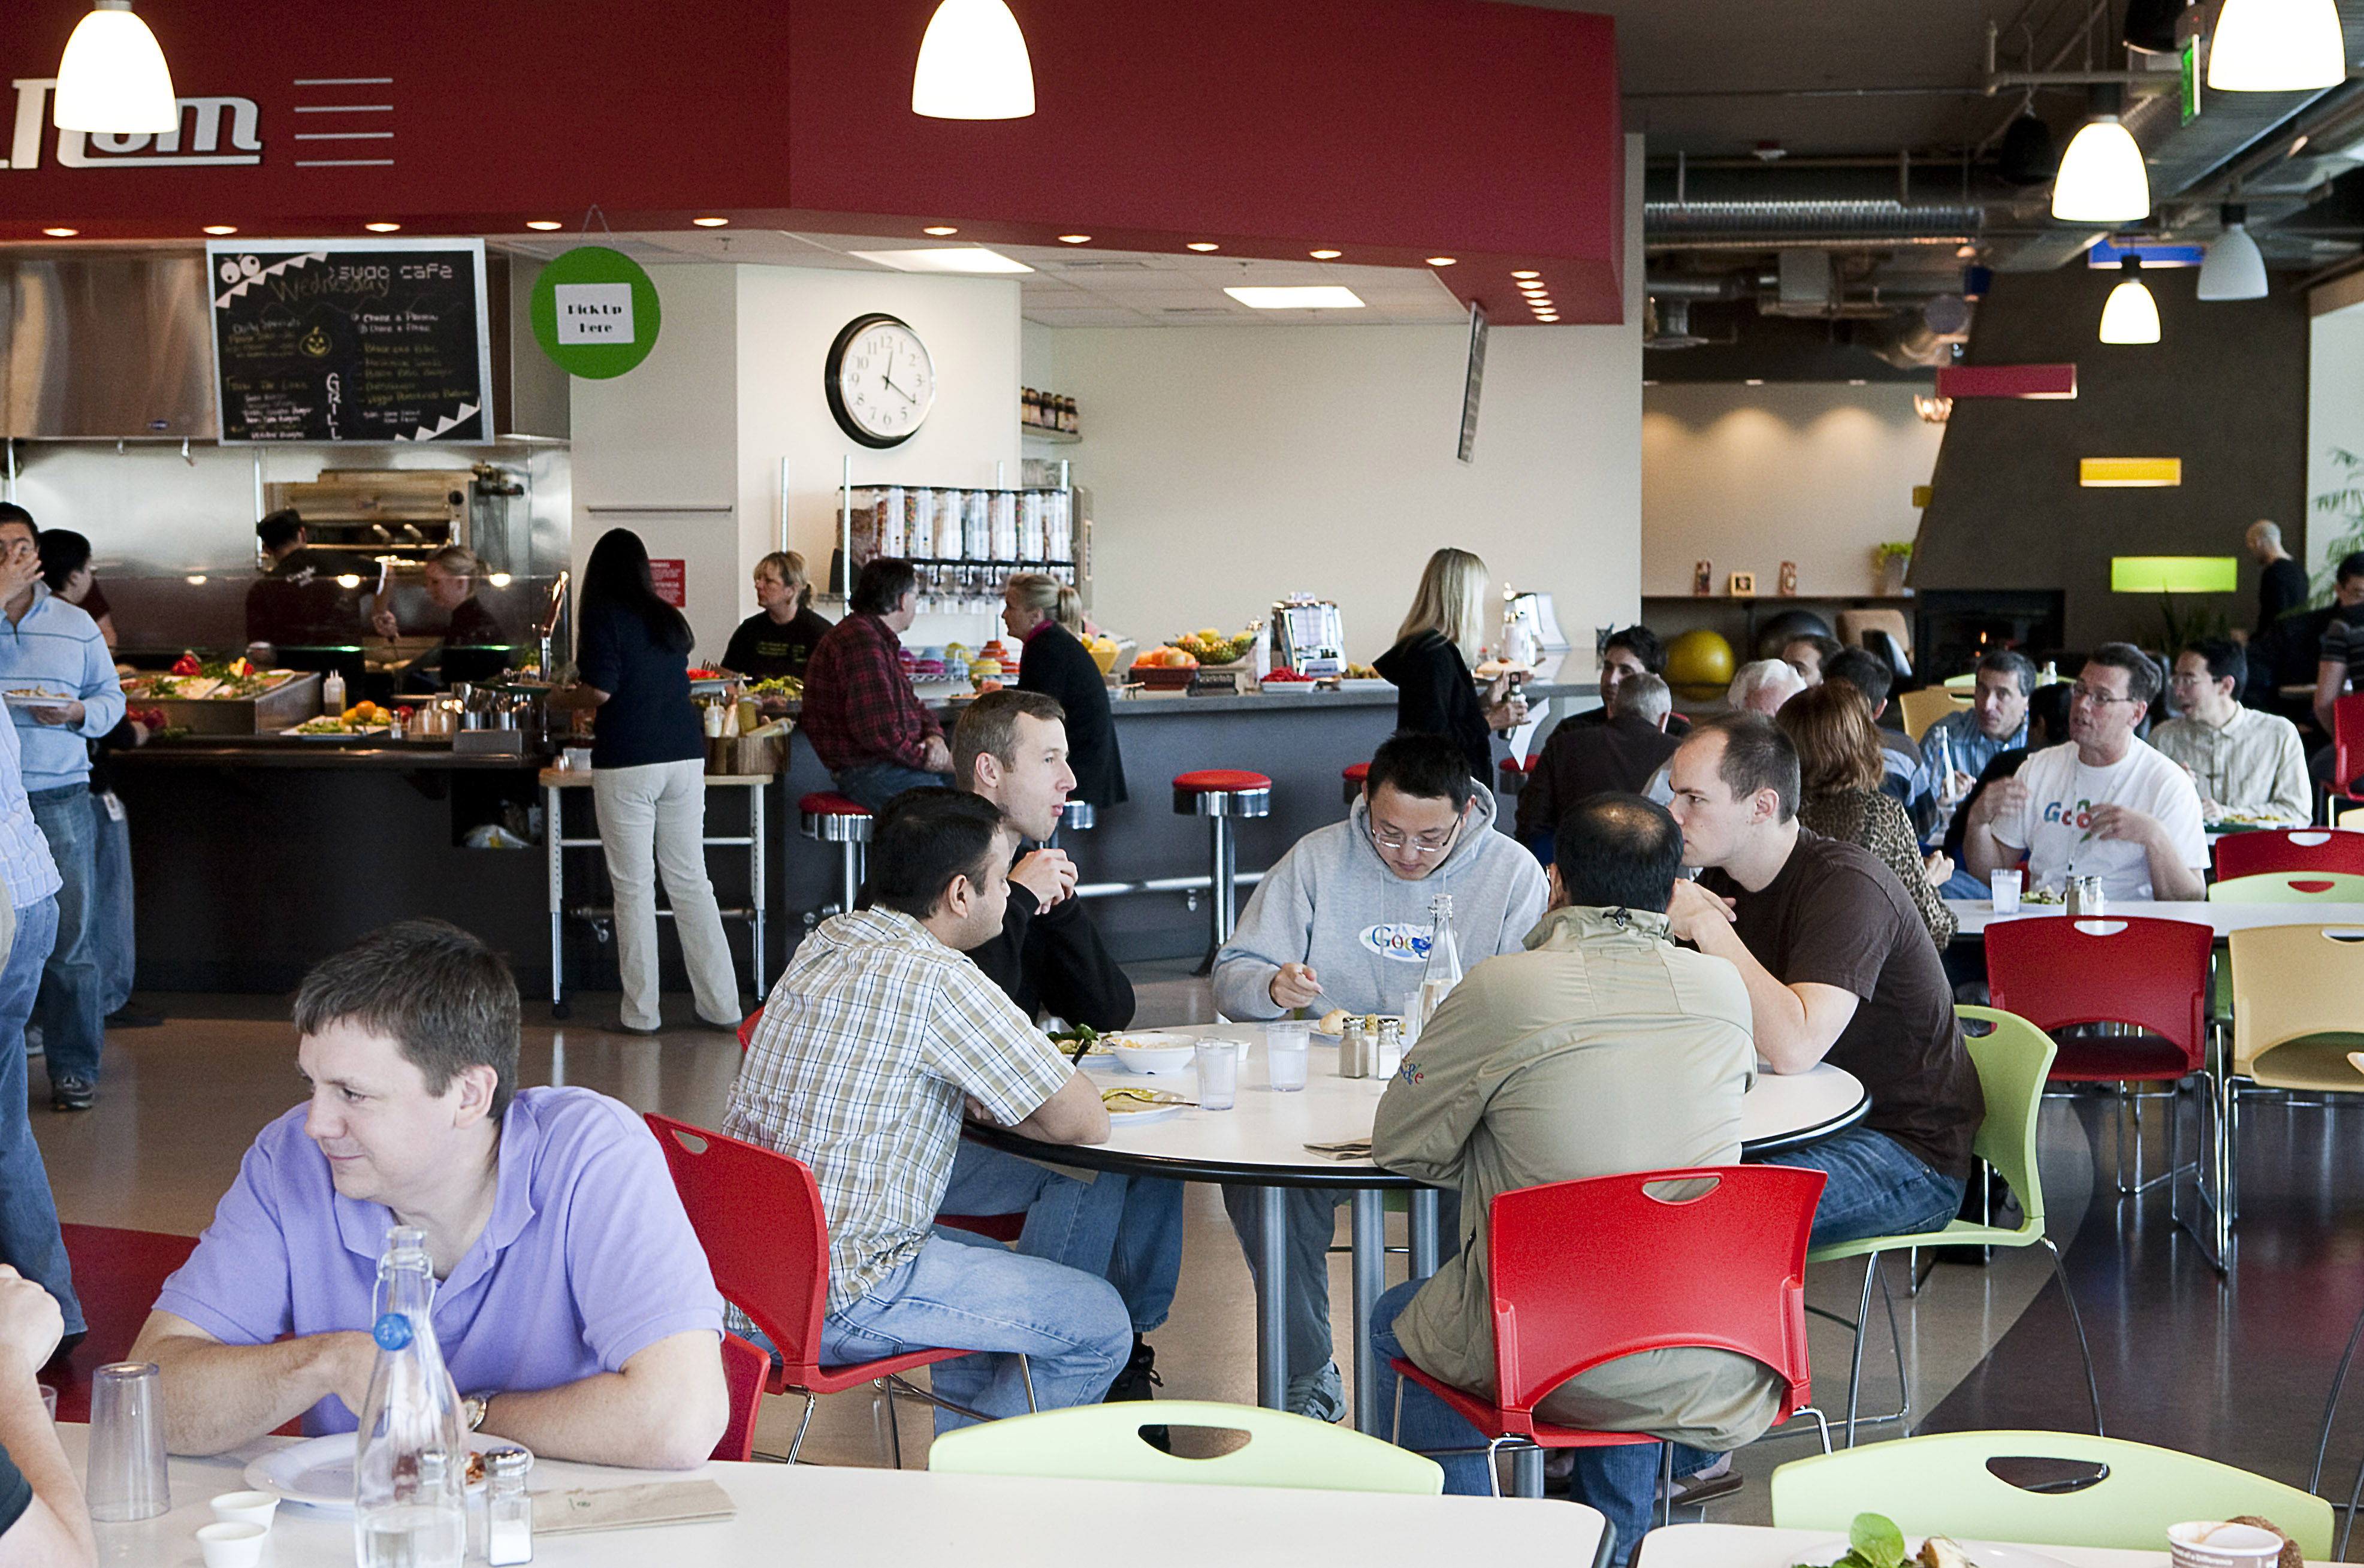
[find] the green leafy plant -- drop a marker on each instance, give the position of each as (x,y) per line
(2344,505)
(1873,1541)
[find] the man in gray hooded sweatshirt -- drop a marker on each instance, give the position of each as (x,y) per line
(1343,921)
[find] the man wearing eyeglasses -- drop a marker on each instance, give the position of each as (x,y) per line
(2105,805)
(1342,921)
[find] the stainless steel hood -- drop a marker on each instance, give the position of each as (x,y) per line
(118,345)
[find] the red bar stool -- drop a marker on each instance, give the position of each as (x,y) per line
(1221,795)
(1352,777)
(830,818)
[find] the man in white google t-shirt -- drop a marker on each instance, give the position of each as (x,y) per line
(2105,805)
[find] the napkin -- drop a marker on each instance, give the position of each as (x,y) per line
(1352,1148)
(622,1508)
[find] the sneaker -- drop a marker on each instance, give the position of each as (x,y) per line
(619,1027)
(1321,1396)
(133,1016)
(72,1095)
(1134,1383)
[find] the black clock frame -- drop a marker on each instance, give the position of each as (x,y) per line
(835,364)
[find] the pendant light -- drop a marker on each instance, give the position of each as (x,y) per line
(2131,315)
(2233,269)
(972,64)
(113,77)
(2277,46)
(2101,177)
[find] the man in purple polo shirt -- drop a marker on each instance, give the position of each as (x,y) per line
(573,1305)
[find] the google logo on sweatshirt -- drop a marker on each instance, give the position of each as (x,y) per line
(1405,943)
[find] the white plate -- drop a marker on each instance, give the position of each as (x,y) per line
(367,729)
(318,1472)
(1144,1114)
(1984,1554)
(37,700)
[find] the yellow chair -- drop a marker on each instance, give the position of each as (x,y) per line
(1926,706)
(1102,1443)
(2289,887)
(2351,818)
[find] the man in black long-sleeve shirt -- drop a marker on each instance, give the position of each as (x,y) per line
(1011,748)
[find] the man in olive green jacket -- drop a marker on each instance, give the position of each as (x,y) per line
(1602,1048)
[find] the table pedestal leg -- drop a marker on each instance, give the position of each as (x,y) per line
(1423,1226)
(1370,1282)
(1272,1298)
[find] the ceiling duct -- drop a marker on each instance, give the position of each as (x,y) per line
(1773,224)
(1669,326)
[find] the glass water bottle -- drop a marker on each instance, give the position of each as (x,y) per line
(409,1470)
(1443,971)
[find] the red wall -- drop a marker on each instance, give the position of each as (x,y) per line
(1390,129)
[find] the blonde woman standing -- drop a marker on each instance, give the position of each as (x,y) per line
(1430,664)
(1047,618)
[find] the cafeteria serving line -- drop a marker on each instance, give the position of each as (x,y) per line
(1589,772)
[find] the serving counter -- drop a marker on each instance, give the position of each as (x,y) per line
(255,858)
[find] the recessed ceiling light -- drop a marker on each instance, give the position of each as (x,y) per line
(221,229)
(1075,240)
(709,222)
(1440,260)
(1325,255)
(1753,381)
(381,227)
(1202,245)
(544,224)
(1531,288)
(941,229)
(1321,296)
(944,259)
(1526,274)
(62,233)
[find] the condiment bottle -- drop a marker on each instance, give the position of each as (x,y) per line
(1354,1051)
(332,692)
(509,1511)
(1388,1053)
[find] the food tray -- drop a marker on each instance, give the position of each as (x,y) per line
(284,706)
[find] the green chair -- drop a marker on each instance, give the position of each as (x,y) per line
(1942,1485)
(2289,887)
(1102,1443)
(2012,1059)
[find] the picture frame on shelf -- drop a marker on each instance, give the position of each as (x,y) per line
(1743,585)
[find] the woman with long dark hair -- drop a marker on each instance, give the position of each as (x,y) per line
(648,779)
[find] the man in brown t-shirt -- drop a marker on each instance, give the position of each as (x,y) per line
(1839,968)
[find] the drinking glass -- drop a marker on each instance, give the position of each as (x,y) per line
(2005,885)
(127,1478)
(1219,1074)
(1286,1051)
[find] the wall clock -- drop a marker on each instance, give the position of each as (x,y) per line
(880,381)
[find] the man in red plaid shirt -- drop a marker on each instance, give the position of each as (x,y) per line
(866,724)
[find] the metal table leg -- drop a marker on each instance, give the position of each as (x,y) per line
(1370,1282)
(1423,1226)
(755,869)
(553,834)
(1272,1298)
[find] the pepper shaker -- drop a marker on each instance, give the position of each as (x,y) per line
(1354,1051)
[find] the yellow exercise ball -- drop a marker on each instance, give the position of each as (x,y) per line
(1698,664)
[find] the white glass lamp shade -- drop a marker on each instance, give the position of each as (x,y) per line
(113,76)
(2277,46)
(2101,178)
(2131,315)
(972,64)
(2233,269)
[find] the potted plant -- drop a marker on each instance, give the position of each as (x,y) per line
(1890,564)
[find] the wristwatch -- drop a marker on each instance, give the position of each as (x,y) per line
(473,1408)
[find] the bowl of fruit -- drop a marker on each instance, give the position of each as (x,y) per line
(1166,668)
(1211,647)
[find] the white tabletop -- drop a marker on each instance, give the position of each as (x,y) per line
(1973,916)
(1268,1129)
(810,1513)
(1755,1546)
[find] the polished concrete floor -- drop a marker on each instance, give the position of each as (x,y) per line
(181,1103)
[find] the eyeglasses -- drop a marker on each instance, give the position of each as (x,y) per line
(2080,692)
(1388,844)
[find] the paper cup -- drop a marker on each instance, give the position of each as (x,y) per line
(246,1508)
(232,1545)
(2209,1543)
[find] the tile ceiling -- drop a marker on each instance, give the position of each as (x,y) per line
(1070,285)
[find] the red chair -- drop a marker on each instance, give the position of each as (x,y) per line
(2129,968)
(1586,1272)
(758,1214)
(2264,851)
(2347,748)
(1000,1227)
(745,1370)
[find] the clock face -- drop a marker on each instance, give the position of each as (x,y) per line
(880,381)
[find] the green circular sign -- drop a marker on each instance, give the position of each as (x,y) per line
(594,312)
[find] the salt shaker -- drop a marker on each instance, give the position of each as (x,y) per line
(508,1512)
(1388,1054)
(1354,1051)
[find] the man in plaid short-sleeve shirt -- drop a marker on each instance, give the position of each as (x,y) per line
(876,1037)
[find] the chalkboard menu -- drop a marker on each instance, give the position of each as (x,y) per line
(323,341)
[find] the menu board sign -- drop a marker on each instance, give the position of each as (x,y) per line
(326,340)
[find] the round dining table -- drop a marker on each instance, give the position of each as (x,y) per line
(1263,1142)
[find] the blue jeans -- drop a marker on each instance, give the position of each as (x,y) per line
(29,1242)
(1875,1188)
(971,1292)
(67,1006)
(1311,1225)
(1962,884)
(873,784)
(1622,1482)
(110,924)
(1126,1232)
